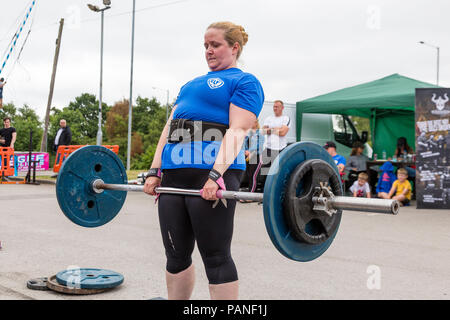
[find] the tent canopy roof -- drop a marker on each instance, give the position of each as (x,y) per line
(395,93)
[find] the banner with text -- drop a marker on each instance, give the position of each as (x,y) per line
(42,159)
(433,148)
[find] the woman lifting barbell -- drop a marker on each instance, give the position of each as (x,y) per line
(225,101)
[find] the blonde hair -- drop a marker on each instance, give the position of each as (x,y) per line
(232,33)
(363,176)
(279,101)
(402,171)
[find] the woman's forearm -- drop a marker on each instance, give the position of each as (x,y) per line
(156,163)
(229,149)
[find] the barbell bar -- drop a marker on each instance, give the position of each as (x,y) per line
(387,206)
(302,200)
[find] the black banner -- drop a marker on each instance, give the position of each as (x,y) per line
(433,148)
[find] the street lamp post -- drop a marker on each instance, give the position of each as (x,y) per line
(130,103)
(94,8)
(437,48)
(167,105)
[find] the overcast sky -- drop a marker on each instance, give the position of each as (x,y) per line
(297,49)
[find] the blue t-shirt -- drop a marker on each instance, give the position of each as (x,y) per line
(338,159)
(208,98)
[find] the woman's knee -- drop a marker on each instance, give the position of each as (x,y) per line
(177,264)
(220,269)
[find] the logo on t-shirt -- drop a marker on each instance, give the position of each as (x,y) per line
(215,83)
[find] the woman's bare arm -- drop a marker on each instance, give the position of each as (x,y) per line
(241,121)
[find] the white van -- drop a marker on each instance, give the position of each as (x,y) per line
(320,128)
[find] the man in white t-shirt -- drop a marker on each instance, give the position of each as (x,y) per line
(275,129)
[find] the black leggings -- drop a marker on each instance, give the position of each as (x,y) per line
(186,219)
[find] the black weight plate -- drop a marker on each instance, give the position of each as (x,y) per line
(306,224)
(37,284)
(275,189)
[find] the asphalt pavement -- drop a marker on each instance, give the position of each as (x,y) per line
(374,256)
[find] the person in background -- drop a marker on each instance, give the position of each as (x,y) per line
(360,187)
(387,178)
(2,84)
(403,149)
(254,146)
(401,187)
(275,127)
(340,161)
(357,163)
(401,153)
(63,136)
(8,134)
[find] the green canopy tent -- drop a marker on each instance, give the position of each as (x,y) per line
(389,103)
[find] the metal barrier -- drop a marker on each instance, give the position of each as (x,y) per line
(64,151)
(7,161)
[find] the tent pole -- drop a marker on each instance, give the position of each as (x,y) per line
(373,123)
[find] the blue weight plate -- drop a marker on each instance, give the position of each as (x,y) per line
(274,191)
(89,278)
(75,196)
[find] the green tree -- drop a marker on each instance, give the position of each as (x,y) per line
(75,120)
(23,120)
(148,121)
(82,118)
(117,131)
(9,110)
(87,104)
(26,121)
(143,112)
(362,124)
(153,131)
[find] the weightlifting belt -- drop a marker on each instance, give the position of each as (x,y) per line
(190,130)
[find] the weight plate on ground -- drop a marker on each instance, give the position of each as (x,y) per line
(75,196)
(306,224)
(52,284)
(89,278)
(274,194)
(37,284)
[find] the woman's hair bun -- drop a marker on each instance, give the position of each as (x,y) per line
(244,35)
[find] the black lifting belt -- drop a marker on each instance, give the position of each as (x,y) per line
(192,130)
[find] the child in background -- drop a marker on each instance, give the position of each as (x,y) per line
(401,187)
(387,178)
(360,187)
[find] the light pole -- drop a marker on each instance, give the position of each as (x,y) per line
(437,48)
(167,105)
(130,103)
(94,8)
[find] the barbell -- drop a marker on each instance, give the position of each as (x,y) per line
(302,199)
